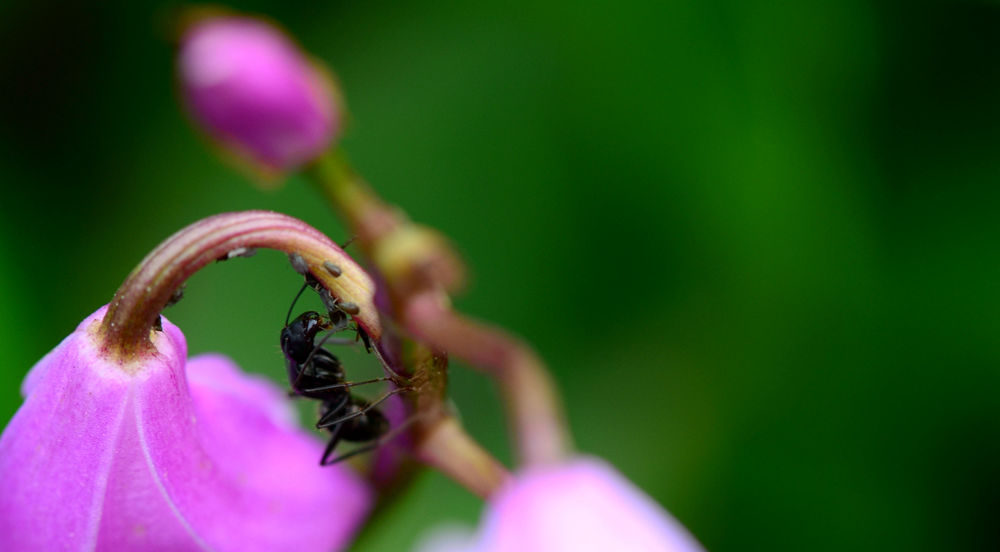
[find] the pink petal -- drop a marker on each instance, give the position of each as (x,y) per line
(584,505)
(97,458)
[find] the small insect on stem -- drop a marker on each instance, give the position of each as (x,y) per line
(298,263)
(329,301)
(333,269)
(238,252)
(348,307)
(176,296)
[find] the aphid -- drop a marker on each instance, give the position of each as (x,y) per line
(176,296)
(335,308)
(315,373)
(299,264)
(349,308)
(238,252)
(333,269)
(338,316)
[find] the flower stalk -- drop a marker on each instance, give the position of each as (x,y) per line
(420,268)
(527,388)
(409,256)
(249,86)
(148,289)
(557,501)
(439,439)
(124,333)
(446,445)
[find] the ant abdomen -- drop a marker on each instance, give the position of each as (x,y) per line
(363,424)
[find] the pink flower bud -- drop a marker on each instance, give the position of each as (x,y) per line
(585,505)
(153,455)
(249,86)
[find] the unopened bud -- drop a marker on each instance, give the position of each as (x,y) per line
(251,88)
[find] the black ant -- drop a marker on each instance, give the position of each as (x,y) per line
(315,373)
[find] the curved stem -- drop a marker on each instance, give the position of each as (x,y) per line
(449,448)
(409,256)
(147,290)
(437,438)
(418,267)
(530,393)
(367,215)
(128,322)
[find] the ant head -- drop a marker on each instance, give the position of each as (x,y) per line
(310,322)
(297,337)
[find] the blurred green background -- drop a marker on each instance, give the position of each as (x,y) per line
(756,241)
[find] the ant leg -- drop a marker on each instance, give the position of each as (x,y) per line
(337,409)
(338,341)
(334,433)
(324,422)
(396,431)
(343,385)
(334,439)
(337,318)
(363,336)
(327,337)
(341,405)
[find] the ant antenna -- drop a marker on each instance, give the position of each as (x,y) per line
(296,300)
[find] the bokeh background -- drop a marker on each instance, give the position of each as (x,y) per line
(756,241)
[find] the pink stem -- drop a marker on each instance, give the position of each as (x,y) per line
(539,425)
(449,448)
(129,320)
(140,299)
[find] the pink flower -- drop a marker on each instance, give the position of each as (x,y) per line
(252,89)
(584,505)
(152,455)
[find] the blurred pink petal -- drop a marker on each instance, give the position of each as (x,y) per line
(99,458)
(584,505)
(251,88)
